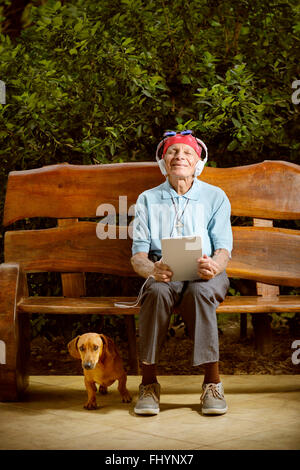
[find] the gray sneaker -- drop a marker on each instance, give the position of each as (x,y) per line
(212,399)
(148,402)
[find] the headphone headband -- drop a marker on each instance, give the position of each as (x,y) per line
(199,141)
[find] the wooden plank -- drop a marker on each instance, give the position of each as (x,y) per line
(262,323)
(75,190)
(260,253)
(266,254)
(257,304)
(105,305)
(82,305)
(73,284)
(266,290)
(73,248)
(269,189)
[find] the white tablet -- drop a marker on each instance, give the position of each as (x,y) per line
(181,254)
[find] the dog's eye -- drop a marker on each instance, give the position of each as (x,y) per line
(96,347)
(81,348)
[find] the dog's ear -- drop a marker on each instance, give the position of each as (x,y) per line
(72,347)
(109,348)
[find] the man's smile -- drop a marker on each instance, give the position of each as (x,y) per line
(179,164)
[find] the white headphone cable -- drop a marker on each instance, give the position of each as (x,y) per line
(133,304)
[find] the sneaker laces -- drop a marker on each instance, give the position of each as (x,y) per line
(214,389)
(148,391)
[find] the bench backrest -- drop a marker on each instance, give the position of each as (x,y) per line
(268,190)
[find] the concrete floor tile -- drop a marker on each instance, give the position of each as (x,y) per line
(38,431)
(197,429)
(283,438)
(265,408)
(121,439)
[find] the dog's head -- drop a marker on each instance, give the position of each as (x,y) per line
(91,348)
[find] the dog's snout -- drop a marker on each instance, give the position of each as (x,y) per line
(88,365)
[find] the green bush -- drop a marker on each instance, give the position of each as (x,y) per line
(97,82)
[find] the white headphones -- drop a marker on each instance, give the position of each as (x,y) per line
(199,166)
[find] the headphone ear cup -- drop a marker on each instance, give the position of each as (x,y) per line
(199,167)
(162,167)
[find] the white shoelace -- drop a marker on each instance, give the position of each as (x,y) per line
(214,389)
(148,391)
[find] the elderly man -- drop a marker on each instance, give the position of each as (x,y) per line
(194,208)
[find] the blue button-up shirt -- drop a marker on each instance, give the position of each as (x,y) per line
(204,210)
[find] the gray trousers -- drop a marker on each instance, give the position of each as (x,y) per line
(196,301)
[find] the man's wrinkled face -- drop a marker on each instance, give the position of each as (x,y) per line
(180,160)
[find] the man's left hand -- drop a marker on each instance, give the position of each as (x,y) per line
(207,267)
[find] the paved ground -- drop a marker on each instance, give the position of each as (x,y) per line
(264,413)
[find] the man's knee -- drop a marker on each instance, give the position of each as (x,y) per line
(211,291)
(158,290)
(200,291)
(157,303)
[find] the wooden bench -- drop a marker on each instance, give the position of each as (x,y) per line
(267,255)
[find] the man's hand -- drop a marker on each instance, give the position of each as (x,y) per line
(162,272)
(210,267)
(145,268)
(207,267)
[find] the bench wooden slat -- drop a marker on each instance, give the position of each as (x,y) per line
(73,284)
(257,304)
(267,190)
(266,254)
(82,305)
(105,305)
(72,248)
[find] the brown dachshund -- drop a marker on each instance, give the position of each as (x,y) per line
(101,364)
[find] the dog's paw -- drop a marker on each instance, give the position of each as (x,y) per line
(126,398)
(91,405)
(103,390)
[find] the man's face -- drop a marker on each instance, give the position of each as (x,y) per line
(180,160)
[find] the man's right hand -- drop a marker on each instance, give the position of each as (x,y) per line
(162,272)
(145,268)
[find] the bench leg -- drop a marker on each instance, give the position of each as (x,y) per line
(14,334)
(133,353)
(262,332)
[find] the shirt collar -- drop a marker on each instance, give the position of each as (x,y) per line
(193,193)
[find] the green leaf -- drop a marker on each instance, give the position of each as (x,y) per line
(78,26)
(57,6)
(236,122)
(233,145)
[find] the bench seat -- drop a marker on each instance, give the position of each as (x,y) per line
(105,305)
